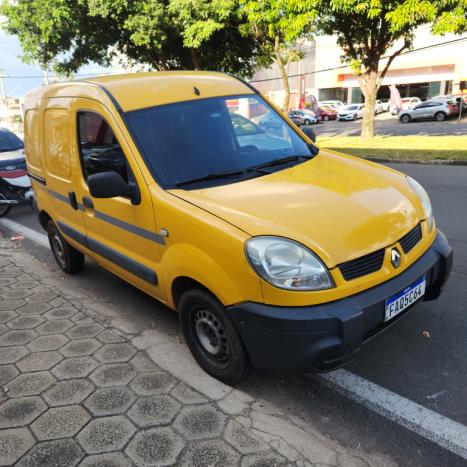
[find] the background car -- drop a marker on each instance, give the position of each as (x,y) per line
(336,105)
(351,112)
(307,116)
(379,108)
(428,110)
(385,103)
(407,103)
(327,113)
(296,118)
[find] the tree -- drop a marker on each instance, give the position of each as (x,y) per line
(279,25)
(369,31)
(164,34)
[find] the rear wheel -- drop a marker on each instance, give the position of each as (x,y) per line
(4,208)
(211,337)
(306,121)
(325,118)
(405,118)
(68,258)
(440,116)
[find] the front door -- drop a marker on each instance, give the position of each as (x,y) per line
(122,235)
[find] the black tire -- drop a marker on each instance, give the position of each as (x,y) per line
(325,118)
(405,118)
(306,121)
(68,258)
(440,116)
(205,325)
(355,117)
(4,208)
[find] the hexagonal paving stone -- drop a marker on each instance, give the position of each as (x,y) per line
(68,392)
(110,401)
(12,354)
(17,337)
(262,459)
(26,322)
(113,374)
(7,373)
(80,347)
(113,459)
(19,412)
(41,297)
(76,367)
(33,309)
(110,337)
(16,294)
(30,384)
(61,312)
(154,447)
(5,281)
(143,363)
(9,305)
(55,326)
(154,410)
(13,444)
(146,384)
(106,434)
(61,452)
(6,316)
(242,439)
(113,353)
(43,343)
(202,421)
(82,331)
(60,422)
(3,328)
(24,284)
(38,361)
(215,453)
(187,395)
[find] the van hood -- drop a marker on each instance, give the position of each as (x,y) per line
(339,206)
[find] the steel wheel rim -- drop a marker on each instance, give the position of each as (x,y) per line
(58,248)
(211,336)
(3,207)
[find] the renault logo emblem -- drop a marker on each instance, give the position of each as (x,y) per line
(395,258)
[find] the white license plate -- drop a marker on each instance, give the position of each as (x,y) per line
(403,299)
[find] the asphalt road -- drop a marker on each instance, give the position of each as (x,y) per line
(388,125)
(430,371)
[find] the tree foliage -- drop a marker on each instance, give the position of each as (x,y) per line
(164,34)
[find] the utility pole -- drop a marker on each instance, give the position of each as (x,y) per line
(5,98)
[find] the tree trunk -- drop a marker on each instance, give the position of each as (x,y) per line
(285,78)
(196,60)
(369,87)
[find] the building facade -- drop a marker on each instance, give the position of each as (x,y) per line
(437,65)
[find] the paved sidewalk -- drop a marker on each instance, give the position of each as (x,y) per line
(80,386)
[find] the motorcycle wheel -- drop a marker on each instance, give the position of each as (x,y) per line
(4,208)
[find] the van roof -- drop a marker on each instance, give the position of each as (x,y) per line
(140,90)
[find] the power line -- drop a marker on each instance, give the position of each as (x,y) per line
(433,46)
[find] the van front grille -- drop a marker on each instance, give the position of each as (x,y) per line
(408,241)
(362,266)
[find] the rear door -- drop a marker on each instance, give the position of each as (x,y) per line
(120,234)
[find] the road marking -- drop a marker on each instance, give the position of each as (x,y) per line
(431,425)
(33,235)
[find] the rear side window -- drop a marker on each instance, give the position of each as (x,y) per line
(32,138)
(57,142)
(99,149)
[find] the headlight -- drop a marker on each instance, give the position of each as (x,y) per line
(287,264)
(424,199)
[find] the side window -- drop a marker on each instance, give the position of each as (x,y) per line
(98,146)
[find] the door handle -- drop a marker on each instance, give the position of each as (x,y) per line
(73,200)
(87,202)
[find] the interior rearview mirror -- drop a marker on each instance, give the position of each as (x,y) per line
(110,185)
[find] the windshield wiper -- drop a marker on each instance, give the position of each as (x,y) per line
(211,176)
(282,160)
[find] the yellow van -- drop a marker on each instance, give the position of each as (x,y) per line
(195,189)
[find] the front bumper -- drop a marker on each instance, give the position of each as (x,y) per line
(326,336)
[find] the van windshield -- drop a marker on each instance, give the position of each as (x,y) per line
(215,141)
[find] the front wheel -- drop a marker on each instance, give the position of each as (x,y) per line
(4,208)
(211,337)
(440,116)
(306,122)
(325,118)
(68,258)
(355,117)
(405,118)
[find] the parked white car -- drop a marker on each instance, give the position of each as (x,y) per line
(379,107)
(385,104)
(351,112)
(336,105)
(408,103)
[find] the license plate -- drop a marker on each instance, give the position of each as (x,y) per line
(403,299)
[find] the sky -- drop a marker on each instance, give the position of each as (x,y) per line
(30,76)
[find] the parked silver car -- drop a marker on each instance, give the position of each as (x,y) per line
(428,110)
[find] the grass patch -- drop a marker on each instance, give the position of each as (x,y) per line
(401,148)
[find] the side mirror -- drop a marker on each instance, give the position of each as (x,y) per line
(110,185)
(310,133)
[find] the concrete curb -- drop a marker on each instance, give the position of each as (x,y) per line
(382,160)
